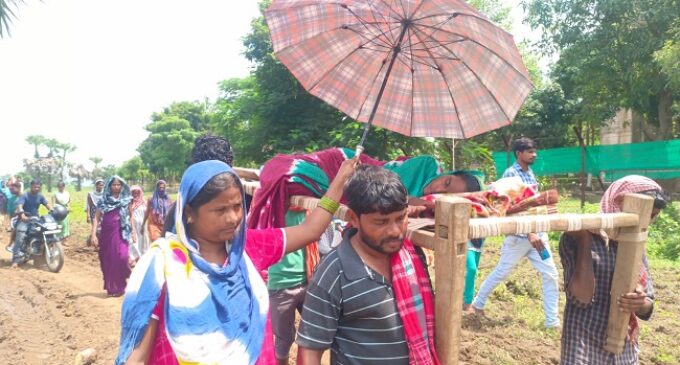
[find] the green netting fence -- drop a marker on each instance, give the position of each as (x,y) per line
(657,160)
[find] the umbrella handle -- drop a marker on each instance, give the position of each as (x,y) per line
(358,151)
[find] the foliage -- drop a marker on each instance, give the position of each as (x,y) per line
(668,58)
(133,170)
(496,10)
(79,172)
(108,171)
(607,52)
(96,171)
(51,166)
(7,15)
(664,234)
(166,149)
(196,113)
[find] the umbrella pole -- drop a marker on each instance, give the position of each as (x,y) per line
(395,53)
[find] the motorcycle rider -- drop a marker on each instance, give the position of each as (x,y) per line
(27,206)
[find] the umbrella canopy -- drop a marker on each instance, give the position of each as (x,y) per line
(435,68)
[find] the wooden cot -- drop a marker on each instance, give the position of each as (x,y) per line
(453,227)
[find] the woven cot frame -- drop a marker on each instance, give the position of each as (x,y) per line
(454,227)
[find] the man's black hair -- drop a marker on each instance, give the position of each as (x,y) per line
(209,147)
(522,144)
(661,200)
(374,189)
(36,182)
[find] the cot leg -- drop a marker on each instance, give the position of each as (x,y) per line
(452,217)
(627,269)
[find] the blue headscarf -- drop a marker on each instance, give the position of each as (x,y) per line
(108,203)
(204,301)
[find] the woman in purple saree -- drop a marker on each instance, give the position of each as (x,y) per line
(113,214)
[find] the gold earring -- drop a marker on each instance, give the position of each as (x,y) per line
(190,220)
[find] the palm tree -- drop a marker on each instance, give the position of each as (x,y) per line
(95,171)
(7,15)
(36,140)
(65,148)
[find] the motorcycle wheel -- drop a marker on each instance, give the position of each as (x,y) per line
(57,261)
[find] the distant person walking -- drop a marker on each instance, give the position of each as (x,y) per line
(4,194)
(92,200)
(11,207)
(157,210)
(63,197)
(113,214)
(138,208)
(533,246)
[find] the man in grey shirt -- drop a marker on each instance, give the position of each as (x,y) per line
(350,305)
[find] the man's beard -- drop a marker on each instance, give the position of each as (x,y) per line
(378,246)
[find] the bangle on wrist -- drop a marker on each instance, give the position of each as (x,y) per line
(328,204)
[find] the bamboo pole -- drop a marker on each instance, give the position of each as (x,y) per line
(451,235)
(629,254)
(249,174)
(453,228)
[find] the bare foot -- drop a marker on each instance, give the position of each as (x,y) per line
(14,266)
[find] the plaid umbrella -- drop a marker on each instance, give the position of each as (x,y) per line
(434,68)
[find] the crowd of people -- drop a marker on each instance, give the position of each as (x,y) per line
(217,278)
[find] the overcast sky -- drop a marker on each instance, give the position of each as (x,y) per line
(91,72)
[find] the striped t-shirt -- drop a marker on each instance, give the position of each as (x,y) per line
(350,309)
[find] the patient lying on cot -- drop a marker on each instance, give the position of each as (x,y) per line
(309,174)
(506,196)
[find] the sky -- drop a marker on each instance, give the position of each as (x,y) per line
(91,72)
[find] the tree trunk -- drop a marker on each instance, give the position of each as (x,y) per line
(665,116)
(638,128)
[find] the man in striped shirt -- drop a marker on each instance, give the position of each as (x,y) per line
(350,305)
(534,246)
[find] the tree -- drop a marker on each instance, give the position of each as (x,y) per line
(96,171)
(79,172)
(108,171)
(196,113)
(607,53)
(55,158)
(166,150)
(668,58)
(133,170)
(65,148)
(36,141)
(41,168)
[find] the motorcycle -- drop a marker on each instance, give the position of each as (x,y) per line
(42,240)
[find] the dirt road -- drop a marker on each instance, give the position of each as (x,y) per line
(48,318)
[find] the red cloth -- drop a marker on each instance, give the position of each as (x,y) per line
(408,274)
(270,201)
(264,247)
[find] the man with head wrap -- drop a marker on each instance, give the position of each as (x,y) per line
(588,260)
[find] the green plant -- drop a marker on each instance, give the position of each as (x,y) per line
(664,234)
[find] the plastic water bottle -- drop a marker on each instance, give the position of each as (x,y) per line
(545,253)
